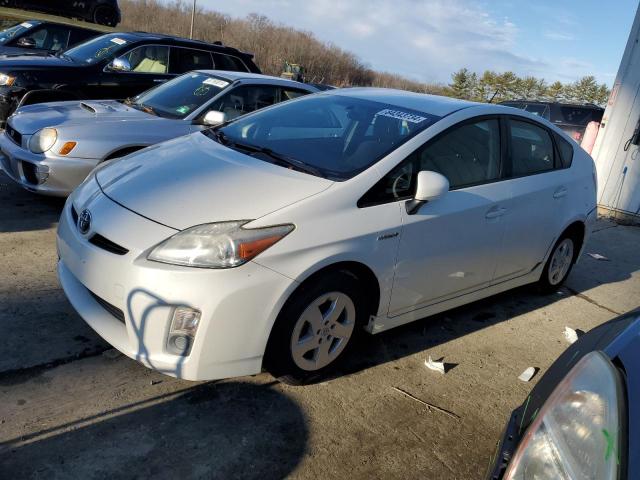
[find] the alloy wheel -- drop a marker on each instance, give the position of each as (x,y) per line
(322,331)
(560,261)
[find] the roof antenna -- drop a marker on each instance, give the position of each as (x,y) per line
(494,95)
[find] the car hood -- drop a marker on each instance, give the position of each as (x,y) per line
(12,52)
(32,118)
(193,180)
(11,63)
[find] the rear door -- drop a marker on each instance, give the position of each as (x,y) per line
(540,195)
(186,59)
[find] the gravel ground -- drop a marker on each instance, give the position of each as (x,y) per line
(71,407)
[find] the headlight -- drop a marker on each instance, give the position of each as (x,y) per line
(6,80)
(217,245)
(43,140)
(577,432)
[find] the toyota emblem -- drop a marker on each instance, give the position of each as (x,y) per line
(84,221)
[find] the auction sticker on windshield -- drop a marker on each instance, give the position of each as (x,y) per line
(118,41)
(26,25)
(399,115)
(216,82)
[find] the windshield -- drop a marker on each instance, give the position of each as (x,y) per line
(181,96)
(335,135)
(96,49)
(11,32)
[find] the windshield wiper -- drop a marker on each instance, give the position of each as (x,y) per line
(218,135)
(282,159)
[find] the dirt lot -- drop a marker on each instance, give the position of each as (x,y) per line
(70,407)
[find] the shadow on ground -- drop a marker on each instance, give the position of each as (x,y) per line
(214,431)
(24,211)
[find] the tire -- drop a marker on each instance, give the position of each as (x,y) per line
(559,264)
(105,15)
(324,317)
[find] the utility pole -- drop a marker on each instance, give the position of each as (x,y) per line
(193,16)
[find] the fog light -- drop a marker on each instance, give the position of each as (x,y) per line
(184,326)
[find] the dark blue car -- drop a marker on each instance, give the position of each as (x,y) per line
(581,420)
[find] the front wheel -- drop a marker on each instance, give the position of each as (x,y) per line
(558,265)
(316,328)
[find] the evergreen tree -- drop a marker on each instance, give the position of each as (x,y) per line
(463,84)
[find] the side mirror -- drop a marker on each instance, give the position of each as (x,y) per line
(430,186)
(120,65)
(27,42)
(214,117)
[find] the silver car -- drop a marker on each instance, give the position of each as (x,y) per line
(50,148)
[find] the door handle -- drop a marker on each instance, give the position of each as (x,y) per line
(495,213)
(561,192)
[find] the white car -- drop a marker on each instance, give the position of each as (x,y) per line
(270,242)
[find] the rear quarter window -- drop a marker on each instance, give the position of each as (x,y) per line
(566,151)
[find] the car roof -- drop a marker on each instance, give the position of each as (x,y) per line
(140,36)
(562,104)
(430,104)
(233,76)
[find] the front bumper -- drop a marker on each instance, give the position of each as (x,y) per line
(238,305)
(42,173)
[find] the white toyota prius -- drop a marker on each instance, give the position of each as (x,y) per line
(272,241)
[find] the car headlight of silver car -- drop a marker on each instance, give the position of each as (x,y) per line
(43,140)
(577,432)
(218,245)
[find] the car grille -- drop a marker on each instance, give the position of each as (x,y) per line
(112,309)
(100,241)
(14,135)
(106,244)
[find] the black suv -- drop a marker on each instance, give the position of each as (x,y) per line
(115,66)
(103,12)
(571,117)
(37,37)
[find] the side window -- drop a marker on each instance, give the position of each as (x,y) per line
(566,151)
(537,109)
(227,62)
(467,155)
(185,59)
(246,99)
(50,37)
(531,149)
(291,93)
(148,59)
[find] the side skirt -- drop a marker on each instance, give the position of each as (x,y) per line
(382,323)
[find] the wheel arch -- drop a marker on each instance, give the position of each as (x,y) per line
(359,270)
(578,231)
(122,151)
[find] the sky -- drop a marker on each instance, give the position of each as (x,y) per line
(427,40)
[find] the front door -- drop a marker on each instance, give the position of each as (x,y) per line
(148,68)
(450,246)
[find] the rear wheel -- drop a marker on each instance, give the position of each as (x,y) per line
(559,264)
(105,15)
(316,328)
